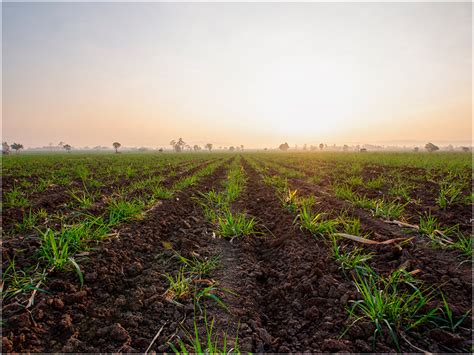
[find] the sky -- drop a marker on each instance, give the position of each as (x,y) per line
(256,74)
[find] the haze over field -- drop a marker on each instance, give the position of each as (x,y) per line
(252,74)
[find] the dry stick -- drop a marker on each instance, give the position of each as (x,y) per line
(154,339)
(33,294)
(402,224)
(414,226)
(368,241)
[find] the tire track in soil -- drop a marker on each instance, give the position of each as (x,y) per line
(440,268)
(290,294)
(120,307)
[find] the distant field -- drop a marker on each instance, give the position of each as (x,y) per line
(322,251)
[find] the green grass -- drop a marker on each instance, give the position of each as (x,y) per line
(316,224)
(17,282)
(349,259)
(376,183)
(179,285)
(232,225)
(15,198)
(199,266)
(121,210)
(209,343)
(388,209)
(395,303)
(449,194)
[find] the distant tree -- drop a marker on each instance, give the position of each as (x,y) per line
(416,149)
(160,150)
(345,147)
(363,150)
(305,146)
(430,147)
(178,145)
(242,147)
(208,146)
(5,148)
(284,147)
(67,147)
(16,147)
(61,144)
(231,148)
(196,148)
(321,146)
(465,149)
(450,147)
(265,149)
(116,145)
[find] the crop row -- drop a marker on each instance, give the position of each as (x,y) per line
(395,303)
(60,248)
(400,206)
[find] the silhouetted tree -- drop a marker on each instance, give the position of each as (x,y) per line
(17,146)
(430,147)
(284,147)
(178,145)
(321,146)
(416,149)
(345,148)
(465,149)
(67,147)
(160,150)
(231,148)
(116,145)
(363,150)
(305,146)
(208,146)
(196,148)
(5,148)
(241,147)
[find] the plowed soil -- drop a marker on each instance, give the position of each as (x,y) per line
(288,293)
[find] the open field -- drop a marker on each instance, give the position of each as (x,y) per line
(219,252)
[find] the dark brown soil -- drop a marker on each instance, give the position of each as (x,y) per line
(290,296)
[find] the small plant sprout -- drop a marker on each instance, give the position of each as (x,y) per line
(394,303)
(316,224)
(179,286)
(211,344)
(199,266)
(449,194)
(235,225)
(349,259)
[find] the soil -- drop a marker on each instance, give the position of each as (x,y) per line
(288,293)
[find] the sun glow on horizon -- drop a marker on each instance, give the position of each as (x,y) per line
(252,74)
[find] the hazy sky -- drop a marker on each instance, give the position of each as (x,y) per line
(252,74)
